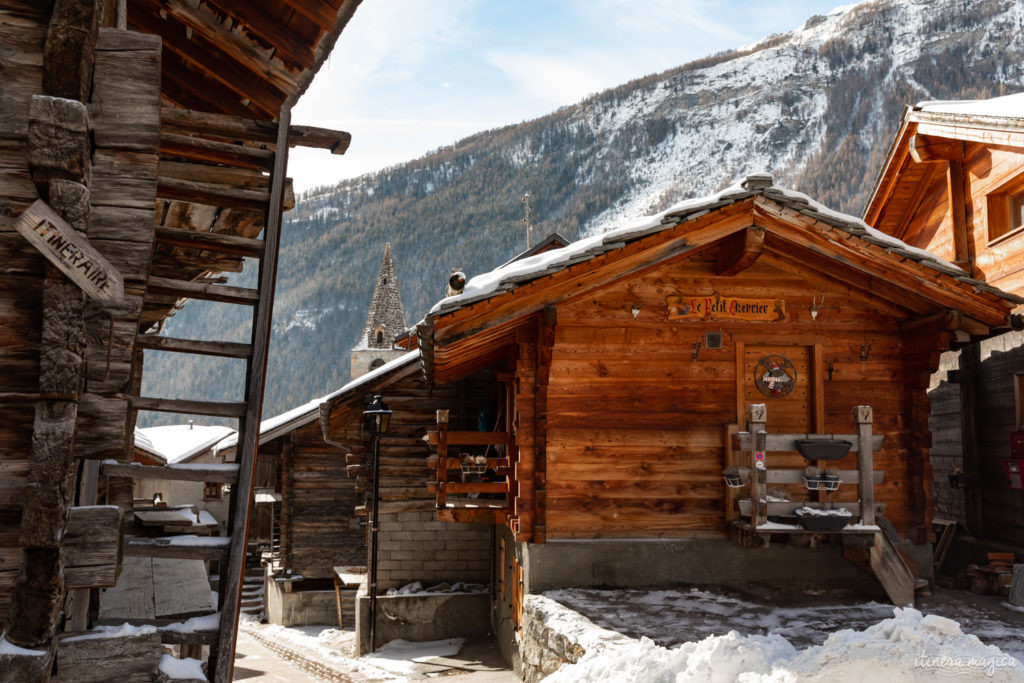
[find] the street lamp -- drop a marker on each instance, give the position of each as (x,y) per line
(376,419)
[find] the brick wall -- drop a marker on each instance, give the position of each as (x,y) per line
(415,546)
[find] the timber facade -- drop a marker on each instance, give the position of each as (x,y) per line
(584,403)
(126,187)
(952,183)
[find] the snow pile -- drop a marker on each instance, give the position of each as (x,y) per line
(9,648)
(908,647)
(187,669)
(818,512)
(401,656)
(416,588)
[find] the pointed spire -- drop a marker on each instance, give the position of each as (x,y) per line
(386,317)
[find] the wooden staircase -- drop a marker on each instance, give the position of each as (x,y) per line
(229,551)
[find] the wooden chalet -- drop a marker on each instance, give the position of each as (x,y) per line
(630,368)
(143,151)
(304,516)
(953,183)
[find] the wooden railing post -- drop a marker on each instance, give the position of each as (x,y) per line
(757,416)
(442,458)
(865,464)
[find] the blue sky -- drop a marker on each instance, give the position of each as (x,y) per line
(409,76)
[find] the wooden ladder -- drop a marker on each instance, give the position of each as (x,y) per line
(231,552)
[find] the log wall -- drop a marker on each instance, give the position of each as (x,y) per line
(635,442)
(324,532)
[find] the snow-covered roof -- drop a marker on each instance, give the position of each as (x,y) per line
(1007,107)
(273,427)
(511,275)
(179,443)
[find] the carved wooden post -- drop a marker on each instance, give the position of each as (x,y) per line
(442,457)
(865,464)
(757,416)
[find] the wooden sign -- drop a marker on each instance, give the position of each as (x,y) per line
(715,307)
(70,252)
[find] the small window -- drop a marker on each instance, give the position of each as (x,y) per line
(211,490)
(1006,209)
(1018,399)
(1016,210)
(380,337)
(377,362)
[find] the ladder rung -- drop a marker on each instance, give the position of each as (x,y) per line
(179,547)
(210,241)
(202,290)
(178,405)
(224,474)
(206,348)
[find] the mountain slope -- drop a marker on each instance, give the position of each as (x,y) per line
(817,107)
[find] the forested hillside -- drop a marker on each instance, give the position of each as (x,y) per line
(817,107)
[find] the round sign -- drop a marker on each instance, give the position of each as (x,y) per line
(774,376)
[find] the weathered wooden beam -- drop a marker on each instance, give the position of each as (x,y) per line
(317,11)
(207,58)
(956,192)
(70,49)
(86,657)
(928,148)
(186,289)
(200,149)
(210,241)
(186,121)
(739,251)
(176,405)
(206,348)
(253,19)
(225,196)
(226,474)
(58,141)
(178,547)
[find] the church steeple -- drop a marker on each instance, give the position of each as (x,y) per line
(384,320)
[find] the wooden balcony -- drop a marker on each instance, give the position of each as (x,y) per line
(471,487)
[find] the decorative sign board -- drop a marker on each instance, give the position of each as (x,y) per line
(716,307)
(775,376)
(69,252)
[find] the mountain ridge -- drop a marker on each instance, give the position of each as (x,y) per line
(816,106)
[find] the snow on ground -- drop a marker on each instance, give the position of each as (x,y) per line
(401,656)
(701,635)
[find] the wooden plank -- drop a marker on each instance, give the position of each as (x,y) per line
(84,657)
(69,252)
(202,290)
(178,547)
(207,348)
(210,241)
(200,149)
(865,462)
(891,571)
(70,49)
(226,474)
(174,405)
(456,438)
(214,194)
(787,442)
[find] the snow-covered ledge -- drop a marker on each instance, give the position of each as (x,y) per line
(553,635)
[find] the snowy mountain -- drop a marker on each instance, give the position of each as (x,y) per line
(816,106)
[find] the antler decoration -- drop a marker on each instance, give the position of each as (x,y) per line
(815,305)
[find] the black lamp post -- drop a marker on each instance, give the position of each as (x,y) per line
(376,419)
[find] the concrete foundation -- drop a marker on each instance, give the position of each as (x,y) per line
(298,608)
(637,564)
(423,617)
